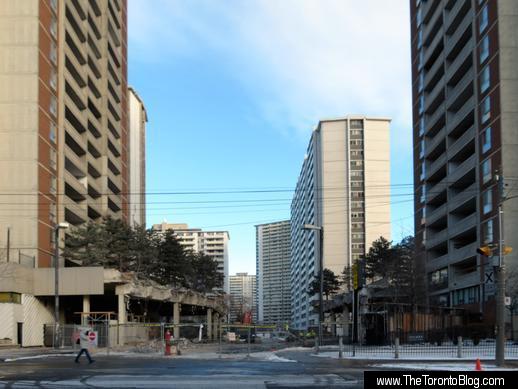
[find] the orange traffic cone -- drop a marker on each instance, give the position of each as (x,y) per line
(478,366)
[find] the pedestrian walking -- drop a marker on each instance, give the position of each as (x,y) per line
(84,341)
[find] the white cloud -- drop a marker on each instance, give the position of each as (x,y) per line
(301,59)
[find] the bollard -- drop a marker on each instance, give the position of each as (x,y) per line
(340,347)
(459,346)
(248,342)
(167,338)
(317,349)
(396,351)
(354,349)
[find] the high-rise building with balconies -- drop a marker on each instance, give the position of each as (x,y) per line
(465,90)
(243,298)
(212,243)
(63,117)
(273,254)
(63,145)
(344,188)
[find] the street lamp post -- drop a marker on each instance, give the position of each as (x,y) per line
(60,226)
(320,231)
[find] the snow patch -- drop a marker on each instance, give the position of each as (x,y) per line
(439,366)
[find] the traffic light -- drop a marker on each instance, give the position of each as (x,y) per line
(485,251)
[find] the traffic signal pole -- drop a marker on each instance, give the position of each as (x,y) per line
(500,281)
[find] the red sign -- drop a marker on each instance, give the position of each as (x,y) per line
(91,336)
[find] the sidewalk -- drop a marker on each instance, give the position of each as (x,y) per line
(17,352)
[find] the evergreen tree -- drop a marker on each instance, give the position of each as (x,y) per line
(331,284)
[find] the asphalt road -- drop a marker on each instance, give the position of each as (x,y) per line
(145,372)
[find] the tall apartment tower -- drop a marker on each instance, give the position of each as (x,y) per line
(273,254)
(137,159)
(465,91)
(243,297)
(343,187)
(63,122)
(212,243)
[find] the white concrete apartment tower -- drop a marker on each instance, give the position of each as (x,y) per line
(137,159)
(243,297)
(343,187)
(273,254)
(212,243)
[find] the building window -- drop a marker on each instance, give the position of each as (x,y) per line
(423,171)
(356,124)
(421,126)
(52,132)
(53,158)
(484,49)
(52,213)
(53,81)
(421,104)
(483,19)
(488,231)
(423,196)
(421,59)
(485,109)
(486,140)
(53,185)
(421,82)
(54,27)
(53,105)
(53,53)
(10,298)
(487,201)
(484,79)
(420,38)
(419,16)
(486,171)
(421,149)
(54,5)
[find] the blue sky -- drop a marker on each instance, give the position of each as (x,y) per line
(234,88)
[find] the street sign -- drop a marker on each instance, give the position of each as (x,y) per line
(507,301)
(92,338)
(488,277)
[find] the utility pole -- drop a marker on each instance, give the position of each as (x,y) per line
(56,281)
(8,242)
(500,279)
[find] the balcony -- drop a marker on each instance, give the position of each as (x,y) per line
(459,37)
(94,209)
(96,143)
(74,140)
(437,214)
(436,239)
(429,7)
(461,198)
(96,165)
(459,255)
(432,26)
(433,51)
(94,125)
(456,118)
(433,73)
(462,142)
(436,191)
(434,122)
(465,280)
(431,145)
(77,161)
(74,68)
(76,47)
(437,263)
(435,97)
(75,213)
(77,185)
(454,16)
(94,187)
(74,116)
(456,96)
(462,170)
(437,164)
(459,227)
(72,18)
(114,203)
(460,62)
